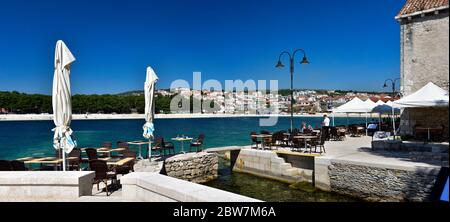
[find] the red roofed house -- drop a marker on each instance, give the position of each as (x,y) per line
(424,45)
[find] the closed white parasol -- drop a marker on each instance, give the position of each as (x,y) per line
(149,90)
(61,101)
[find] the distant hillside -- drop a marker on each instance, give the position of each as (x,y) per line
(131,93)
(283,92)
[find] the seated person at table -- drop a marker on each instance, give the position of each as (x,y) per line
(302,127)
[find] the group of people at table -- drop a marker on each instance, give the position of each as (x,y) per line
(297,139)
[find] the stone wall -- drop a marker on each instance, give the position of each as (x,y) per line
(268,164)
(424,51)
(433,117)
(154,187)
(424,58)
(195,167)
(45,185)
(381,184)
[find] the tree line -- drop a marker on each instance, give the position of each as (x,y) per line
(15,102)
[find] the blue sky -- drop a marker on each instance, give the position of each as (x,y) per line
(351,44)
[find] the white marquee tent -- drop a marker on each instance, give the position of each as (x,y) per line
(355,105)
(430,95)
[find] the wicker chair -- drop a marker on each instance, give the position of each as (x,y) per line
(320,142)
(198,143)
(158,146)
(5,165)
(295,143)
(254,140)
(75,164)
(121,144)
(169,147)
(91,154)
(278,139)
(107,144)
(265,132)
(18,165)
(102,174)
(270,141)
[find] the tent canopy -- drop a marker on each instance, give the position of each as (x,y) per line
(355,105)
(380,102)
(430,95)
(370,104)
(385,108)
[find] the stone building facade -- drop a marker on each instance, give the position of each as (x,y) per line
(424,30)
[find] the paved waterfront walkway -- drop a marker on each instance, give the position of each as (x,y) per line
(358,149)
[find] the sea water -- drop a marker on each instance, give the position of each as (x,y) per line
(34,138)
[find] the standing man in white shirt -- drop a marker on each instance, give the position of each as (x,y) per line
(326,127)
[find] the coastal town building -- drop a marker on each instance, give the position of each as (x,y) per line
(424,45)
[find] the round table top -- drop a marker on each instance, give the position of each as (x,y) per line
(261,135)
(304,137)
(139,142)
(182,138)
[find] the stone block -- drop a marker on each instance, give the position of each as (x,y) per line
(45,185)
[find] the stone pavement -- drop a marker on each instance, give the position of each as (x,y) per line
(358,149)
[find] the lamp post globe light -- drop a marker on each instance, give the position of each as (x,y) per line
(280,65)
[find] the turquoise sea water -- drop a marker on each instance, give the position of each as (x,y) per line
(34,138)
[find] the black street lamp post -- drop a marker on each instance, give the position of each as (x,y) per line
(393,85)
(393,96)
(292,62)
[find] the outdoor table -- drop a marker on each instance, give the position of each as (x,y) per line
(262,137)
(139,143)
(106,150)
(182,139)
(45,160)
(428,129)
(305,138)
(119,162)
(359,130)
